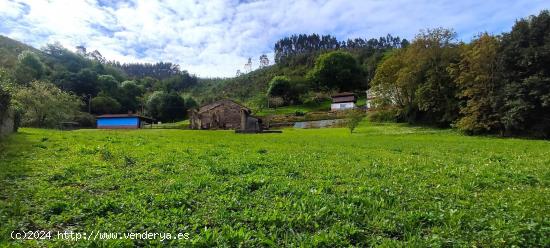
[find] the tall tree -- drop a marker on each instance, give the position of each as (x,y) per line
(525,57)
(478,78)
(336,70)
(165,106)
(130,96)
(418,81)
(29,67)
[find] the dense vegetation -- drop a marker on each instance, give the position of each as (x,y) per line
(383,185)
(297,58)
(94,85)
(495,84)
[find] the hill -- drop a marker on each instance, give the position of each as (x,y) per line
(10,49)
(295,56)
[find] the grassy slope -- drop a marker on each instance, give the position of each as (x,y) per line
(386,184)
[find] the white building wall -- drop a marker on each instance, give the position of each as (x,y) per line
(342,106)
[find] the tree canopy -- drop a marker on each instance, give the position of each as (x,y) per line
(336,70)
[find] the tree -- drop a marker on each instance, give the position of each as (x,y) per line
(108,85)
(29,67)
(279,86)
(179,82)
(83,83)
(283,87)
(354,118)
(416,79)
(59,56)
(264,61)
(190,103)
(129,98)
(525,58)
(105,105)
(478,78)
(389,85)
(165,106)
(336,70)
(45,105)
(435,50)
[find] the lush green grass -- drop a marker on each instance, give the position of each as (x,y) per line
(172,125)
(387,185)
(304,108)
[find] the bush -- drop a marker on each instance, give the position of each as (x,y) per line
(45,105)
(383,115)
(315,98)
(85,120)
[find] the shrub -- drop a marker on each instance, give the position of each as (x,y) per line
(383,115)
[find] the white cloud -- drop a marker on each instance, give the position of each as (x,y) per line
(215,38)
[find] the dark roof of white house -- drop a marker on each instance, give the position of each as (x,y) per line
(344,97)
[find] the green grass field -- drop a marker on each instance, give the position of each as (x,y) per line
(386,185)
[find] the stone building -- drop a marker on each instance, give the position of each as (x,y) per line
(222,114)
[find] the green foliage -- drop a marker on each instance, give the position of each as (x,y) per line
(45,105)
(336,70)
(416,79)
(179,82)
(61,59)
(105,105)
(165,106)
(478,78)
(190,103)
(283,87)
(29,67)
(387,185)
(278,86)
(5,94)
(130,96)
(354,118)
(383,115)
(525,57)
(108,85)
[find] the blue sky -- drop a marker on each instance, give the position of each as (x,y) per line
(214,38)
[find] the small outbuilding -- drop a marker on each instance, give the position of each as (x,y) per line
(344,100)
(122,121)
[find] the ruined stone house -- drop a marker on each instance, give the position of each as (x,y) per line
(222,114)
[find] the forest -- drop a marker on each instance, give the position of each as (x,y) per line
(494,84)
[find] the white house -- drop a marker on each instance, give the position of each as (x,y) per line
(344,100)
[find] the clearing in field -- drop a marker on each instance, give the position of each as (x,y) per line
(386,184)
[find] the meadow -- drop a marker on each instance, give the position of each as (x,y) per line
(387,185)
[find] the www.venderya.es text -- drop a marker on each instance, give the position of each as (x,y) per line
(97,235)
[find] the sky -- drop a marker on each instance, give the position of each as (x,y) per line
(214,38)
